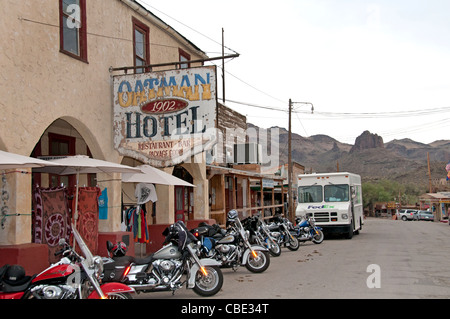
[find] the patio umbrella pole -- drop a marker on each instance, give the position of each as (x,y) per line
(76,206)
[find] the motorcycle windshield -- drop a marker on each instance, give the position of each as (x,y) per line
(185,237)
(84,248)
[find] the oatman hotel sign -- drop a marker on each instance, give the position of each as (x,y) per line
(164,118)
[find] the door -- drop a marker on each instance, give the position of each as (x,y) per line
(61,145)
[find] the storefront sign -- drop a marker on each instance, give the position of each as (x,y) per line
(268,183)
(164,118)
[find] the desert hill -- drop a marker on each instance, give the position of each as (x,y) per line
(404,160)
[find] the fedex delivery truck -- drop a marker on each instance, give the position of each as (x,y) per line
(333,199)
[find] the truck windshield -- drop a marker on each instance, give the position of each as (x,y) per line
(336,193)
(310,194)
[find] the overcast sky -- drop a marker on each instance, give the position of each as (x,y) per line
(349,58)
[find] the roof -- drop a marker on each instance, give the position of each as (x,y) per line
(150,16)
(233,171)
(436,196)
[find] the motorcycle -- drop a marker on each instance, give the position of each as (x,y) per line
(231,248)
(163,270)
(306,229)
(279,229)
(73,277)
(260,234)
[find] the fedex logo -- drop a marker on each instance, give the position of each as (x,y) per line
(319,206)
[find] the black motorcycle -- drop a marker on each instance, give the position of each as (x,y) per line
(279,229)
(260,234)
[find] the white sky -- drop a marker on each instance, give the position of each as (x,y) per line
(344,56)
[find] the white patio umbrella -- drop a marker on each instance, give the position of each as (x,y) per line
(153,175)
(82,164)
(15,161)
(11,160)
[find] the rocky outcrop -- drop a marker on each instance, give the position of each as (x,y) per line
(366,141)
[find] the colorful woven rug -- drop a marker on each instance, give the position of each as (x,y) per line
(88,211)
(51,220)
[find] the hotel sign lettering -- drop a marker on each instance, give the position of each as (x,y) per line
(164,118)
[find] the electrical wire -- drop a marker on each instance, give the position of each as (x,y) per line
(185,25)
(346,115)
(324,115)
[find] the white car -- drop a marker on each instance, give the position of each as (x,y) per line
(407,214)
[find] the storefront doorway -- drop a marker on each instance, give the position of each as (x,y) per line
(184,196)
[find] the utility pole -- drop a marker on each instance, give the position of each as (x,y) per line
(291,212)
(223,67)
(429,172)
(290,202)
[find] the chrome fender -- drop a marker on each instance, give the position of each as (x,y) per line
(195,267)
(248,251)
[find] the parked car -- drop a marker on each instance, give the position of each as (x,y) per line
(407,214)
(425,215)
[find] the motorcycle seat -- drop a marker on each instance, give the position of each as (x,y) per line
(144,261)
(218,236)
(16,286)
(13,279)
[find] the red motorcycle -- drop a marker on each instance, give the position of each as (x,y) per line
(73,277)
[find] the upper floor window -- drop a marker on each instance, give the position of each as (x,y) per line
(184,57)
(141,45)
(72,28)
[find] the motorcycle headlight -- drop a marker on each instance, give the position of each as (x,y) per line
(98,266)
(275,234)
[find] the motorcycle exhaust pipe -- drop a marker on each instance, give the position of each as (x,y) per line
(143,287)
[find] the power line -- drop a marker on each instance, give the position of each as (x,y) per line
(258,106)
(183,24)
(411,113)
(347,115)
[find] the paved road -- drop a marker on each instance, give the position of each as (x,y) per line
(413,259)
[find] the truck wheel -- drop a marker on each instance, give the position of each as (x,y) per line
(349,232)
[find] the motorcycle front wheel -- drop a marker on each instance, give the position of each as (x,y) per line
(293,243)
(210,284)
(259,263)
(318,238)
(274,249)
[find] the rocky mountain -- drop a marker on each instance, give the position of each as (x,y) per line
(403,160)
(366,141)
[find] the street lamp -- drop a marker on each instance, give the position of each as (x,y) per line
(290,202)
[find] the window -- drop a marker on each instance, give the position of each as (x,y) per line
(61,145)
(336,193)
(141,47)
(184,57)
(310,194)
(72,28)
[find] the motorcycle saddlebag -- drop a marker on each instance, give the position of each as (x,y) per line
(114,269)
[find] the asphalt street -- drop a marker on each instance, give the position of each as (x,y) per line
(388,259)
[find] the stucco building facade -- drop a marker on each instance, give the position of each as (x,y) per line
(65,92)
(56,85)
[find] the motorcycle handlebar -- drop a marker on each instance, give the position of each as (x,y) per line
(59,252)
